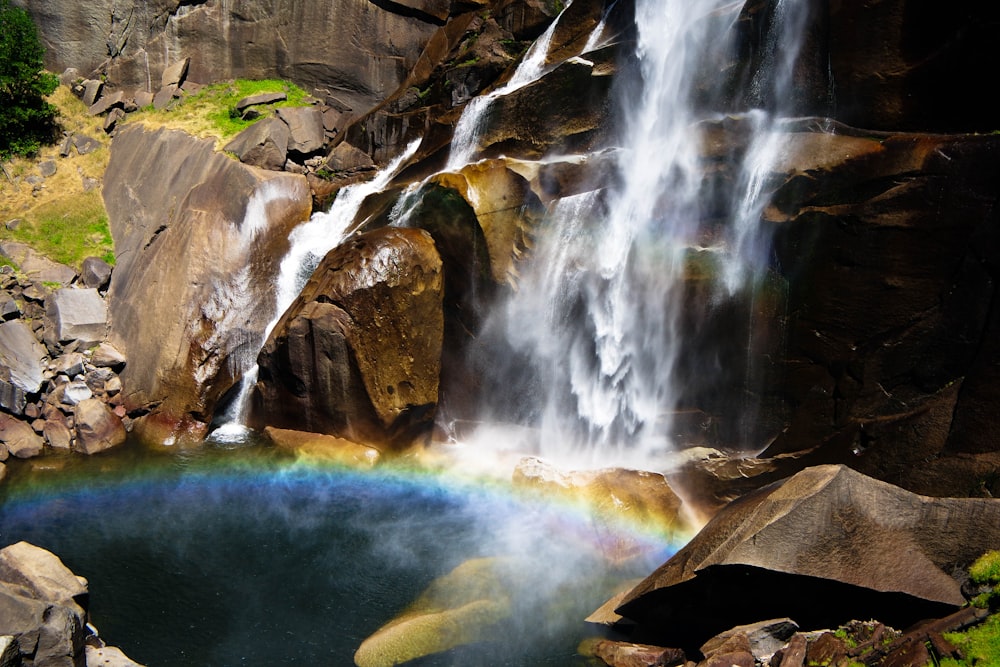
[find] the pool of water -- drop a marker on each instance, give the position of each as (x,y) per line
(242,558)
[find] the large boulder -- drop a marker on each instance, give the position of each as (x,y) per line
(76,314)
(22,365)
(98,428)
(824,546)
(358,354)
(197,255)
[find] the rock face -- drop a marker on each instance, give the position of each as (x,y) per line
(316,44)
(43,607)
(359,352)
(826,544)
(202,244)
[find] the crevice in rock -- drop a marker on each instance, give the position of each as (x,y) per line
(409,12)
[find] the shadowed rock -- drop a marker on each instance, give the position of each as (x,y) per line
(264,144)
(821,547)
(305,126)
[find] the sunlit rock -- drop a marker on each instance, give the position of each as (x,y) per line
(822,547)
(459,608)
(21,365)
(76,314)
(202,245)
(20,439)
(97,427)
(358,354)
(264,144)
(324,448)
(639,497)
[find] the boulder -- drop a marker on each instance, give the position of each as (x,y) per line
(76,314)
(43,575)
(95,273)
(97,427)
(358,354)
(324,448)
(625,654)
(57,435)
(305,127)
(163,97)
(105,355)
(34,265)
(260,98)
(203,245)
(22,365)
(92,89)
(824,546)
(174,74)
(20,439)
(264,144)
(106,103)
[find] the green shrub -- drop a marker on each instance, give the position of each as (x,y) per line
(27,120)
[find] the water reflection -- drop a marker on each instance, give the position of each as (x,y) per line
(245,558)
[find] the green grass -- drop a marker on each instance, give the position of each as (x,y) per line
(211,111)
(68,230)
(980,645)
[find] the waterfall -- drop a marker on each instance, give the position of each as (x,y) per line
(308,244)
(595,330)
(465,140)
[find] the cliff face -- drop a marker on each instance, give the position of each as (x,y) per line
(355,51)
(871,342)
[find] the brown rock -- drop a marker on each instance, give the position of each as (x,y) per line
(325,448)
(794,655)
(358,354)
(624,654)
(827,649)
(42,574)
(57,435)
(97,427)
(20,439)
(305,127)
(820,548)
(264,144)
(186,245)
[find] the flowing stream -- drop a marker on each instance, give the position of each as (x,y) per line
(596,327)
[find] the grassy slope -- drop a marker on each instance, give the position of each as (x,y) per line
(67,223)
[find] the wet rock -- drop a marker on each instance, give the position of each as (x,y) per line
(191,261)
(358,354)
(97,427)
(324,448)
(76,314)
(624,654)
(264,144)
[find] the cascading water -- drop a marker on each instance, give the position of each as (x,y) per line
(308,244)
(596,327)
(465,141)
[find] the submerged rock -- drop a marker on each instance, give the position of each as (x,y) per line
(324,448)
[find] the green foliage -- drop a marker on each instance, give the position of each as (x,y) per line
(69,230)
(27,120)
(980,645)
(212,110)
(986,570)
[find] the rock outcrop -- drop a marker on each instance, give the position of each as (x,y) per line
(43,609)
(354,52)
(822,547)
(358,354)
(202,244)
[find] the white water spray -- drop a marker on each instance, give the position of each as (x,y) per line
(465,139)
(308,244)
(598,317)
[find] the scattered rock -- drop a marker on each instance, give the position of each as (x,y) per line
(77,314)
(97,427)
(106,355)
(260,98)
(92,89)
(20,439)
(85,144)
(174,74)
(264,144)
(95,273)
(47,168)
(106,103)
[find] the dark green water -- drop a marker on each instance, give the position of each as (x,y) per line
(239,558)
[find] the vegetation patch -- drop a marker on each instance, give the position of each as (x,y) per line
(211,111)
(61,215)
(980,645)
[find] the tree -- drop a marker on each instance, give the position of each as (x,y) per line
(26,119)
